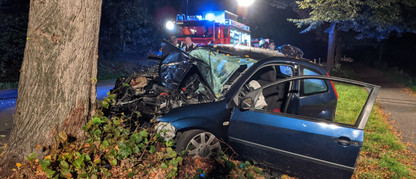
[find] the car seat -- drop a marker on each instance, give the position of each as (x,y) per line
(274,95)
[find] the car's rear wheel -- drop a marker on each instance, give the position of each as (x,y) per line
(198,143)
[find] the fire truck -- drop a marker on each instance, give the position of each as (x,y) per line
(216,27)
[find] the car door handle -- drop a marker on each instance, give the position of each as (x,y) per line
(344,141)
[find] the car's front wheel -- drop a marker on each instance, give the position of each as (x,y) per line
(198,143)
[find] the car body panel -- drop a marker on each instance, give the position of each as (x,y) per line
(307,141)
(320,105)
(208,116)
(311,105)
(330,146)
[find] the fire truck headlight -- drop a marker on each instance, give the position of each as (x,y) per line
(170,25)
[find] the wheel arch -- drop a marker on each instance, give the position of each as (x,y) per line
(204,124)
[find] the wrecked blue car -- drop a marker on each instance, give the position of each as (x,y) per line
(276,110)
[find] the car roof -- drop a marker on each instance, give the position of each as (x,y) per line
(302,62)
(252,52)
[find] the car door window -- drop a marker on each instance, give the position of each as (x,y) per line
(351,99)
(312,86)
(286,70)
(272,98)
(344,108)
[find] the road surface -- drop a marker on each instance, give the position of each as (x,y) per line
(8,104)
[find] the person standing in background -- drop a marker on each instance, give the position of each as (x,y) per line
(176,42)
(272,46)
(189,45)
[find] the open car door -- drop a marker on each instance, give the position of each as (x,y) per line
(302,145)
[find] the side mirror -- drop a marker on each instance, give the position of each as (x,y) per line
(246,104)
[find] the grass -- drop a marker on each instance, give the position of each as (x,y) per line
(413,88)
(351,100)
(383,154)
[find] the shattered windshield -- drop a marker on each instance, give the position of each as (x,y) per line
(222,66)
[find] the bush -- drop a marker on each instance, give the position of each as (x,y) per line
(112,149)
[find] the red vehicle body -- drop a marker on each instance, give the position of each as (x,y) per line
(219,27)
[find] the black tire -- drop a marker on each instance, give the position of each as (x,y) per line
(207,146)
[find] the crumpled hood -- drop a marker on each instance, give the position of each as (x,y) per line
(173,69)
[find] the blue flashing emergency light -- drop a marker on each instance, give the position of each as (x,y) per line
(210,16)
(217,16)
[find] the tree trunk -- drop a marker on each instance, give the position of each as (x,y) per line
(331,46)
(338,53)
(57,89)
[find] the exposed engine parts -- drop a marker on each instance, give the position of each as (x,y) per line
(144,92)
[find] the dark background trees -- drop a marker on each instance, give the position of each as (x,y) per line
(132,28)
(371,19)
(13,27)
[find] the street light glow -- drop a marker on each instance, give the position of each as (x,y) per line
(170,25)
(245,3)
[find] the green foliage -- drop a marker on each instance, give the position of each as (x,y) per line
(109,142)
(112,150)
(371,18)
(340,72)
(238,169)
(31,156)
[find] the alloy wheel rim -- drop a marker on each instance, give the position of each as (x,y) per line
(203,145)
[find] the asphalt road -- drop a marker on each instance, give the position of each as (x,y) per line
(8,104)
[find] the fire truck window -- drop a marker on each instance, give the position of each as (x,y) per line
(200,30)
(226,31)
(210,30)
(193,30)
(186,31)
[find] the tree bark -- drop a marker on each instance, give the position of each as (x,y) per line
(338,53)
(331,46)
(57,88)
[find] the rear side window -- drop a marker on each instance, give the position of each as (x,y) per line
(286,70)
(312,86)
